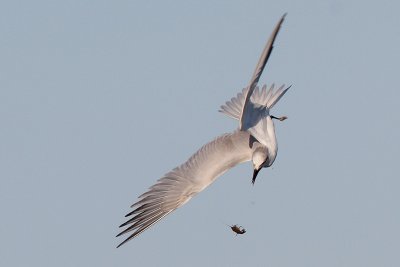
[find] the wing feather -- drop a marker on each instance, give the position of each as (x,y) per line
(248,107)
(182,183)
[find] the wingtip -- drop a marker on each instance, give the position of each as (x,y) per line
(281,20)
(123,242)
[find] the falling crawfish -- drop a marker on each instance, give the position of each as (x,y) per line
(239,230)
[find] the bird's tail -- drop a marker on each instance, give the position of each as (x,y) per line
(263,97)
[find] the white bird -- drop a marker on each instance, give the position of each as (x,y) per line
(254,140)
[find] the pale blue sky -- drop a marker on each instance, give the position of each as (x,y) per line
(98,99)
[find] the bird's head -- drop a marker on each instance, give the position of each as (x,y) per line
(264,156)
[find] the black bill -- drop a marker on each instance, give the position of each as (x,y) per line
(255,176)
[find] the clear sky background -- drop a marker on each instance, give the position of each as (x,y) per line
(98,99)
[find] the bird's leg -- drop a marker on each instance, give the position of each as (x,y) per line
(279,118)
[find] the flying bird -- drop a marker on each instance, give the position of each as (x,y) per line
(254,140)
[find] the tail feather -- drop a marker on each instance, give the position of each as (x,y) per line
(263,97)
(277,96)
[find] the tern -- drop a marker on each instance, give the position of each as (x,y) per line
(254,140)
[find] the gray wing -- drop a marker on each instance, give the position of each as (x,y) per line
(182,183)
(248,107)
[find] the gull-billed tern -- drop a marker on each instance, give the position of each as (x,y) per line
(254,140)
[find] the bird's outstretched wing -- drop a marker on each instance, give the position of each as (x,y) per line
(248,114)
(182,183)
